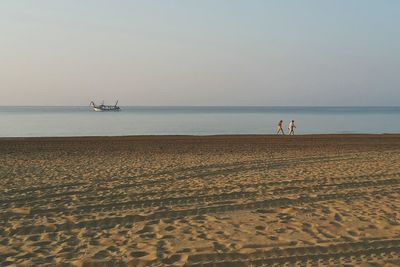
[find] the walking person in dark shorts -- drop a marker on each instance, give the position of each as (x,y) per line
(291,128)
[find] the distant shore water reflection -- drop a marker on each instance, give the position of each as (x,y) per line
(82,121)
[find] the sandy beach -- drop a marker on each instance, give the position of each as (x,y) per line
(200,201)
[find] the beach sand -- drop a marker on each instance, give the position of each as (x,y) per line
(200,201)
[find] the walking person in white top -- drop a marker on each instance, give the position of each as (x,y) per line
(291,128)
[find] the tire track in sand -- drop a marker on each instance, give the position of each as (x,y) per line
(110,222)
(332,254)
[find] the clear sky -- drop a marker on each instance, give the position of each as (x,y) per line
(192,52)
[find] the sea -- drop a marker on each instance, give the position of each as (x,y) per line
(194,120)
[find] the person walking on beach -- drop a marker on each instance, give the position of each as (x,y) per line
(280,129)
(291,127)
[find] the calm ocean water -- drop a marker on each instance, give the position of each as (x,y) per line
(82,121)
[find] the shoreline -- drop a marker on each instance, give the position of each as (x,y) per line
(211,136)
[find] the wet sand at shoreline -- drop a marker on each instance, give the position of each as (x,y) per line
(240,200)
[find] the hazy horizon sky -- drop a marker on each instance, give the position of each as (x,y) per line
(209,52)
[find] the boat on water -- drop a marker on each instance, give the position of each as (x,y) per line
(103,107)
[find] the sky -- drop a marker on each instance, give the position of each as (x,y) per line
(208,52)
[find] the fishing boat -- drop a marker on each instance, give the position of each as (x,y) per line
(103,107)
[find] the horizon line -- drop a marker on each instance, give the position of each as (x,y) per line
(222,106)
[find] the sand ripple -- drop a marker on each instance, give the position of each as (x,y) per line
(200,201)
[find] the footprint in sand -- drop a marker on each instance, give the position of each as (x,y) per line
(202,236)
(353,233)
(280,230)
(325,233)
(101,254)
(326,210)
(260,227)
(338,217)
(273,237)
(169,228)
(220,247)
(147,232)
(139,254)
(33,238)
